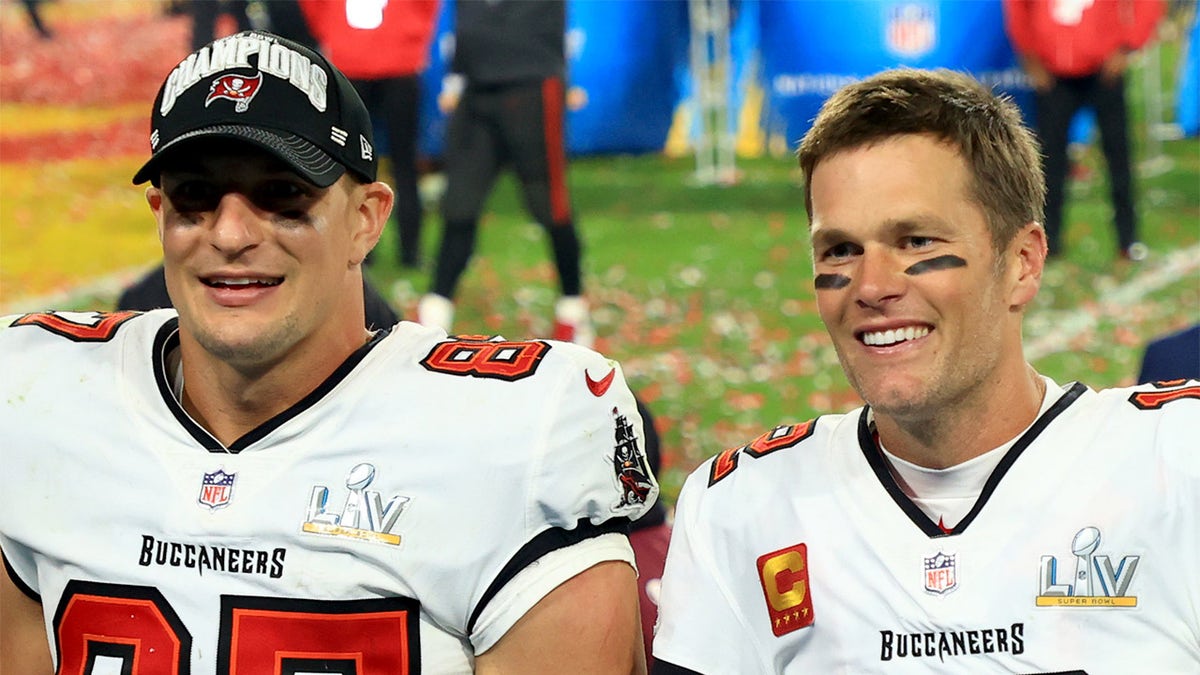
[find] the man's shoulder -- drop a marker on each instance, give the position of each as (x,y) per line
(1179,397)
(505,366)
(799,451)
(55,362)
(552,412)
(65,334)
(1145,423)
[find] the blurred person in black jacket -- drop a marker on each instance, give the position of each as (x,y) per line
(508,95)
(1172,357)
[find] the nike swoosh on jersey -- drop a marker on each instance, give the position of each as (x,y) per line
(599,387)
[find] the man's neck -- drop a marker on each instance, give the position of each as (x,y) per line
(230,401)
(966,429)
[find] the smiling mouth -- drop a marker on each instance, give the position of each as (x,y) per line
(242,282)
(886,338)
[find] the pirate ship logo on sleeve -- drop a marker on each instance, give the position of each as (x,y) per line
(629,463)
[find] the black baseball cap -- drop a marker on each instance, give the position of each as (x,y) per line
(271,92)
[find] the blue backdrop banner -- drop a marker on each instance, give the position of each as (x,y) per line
(622,58)
(628,62)
(810,48)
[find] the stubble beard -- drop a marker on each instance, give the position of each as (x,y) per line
(257,352)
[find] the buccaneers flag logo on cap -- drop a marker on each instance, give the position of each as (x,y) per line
(235,88)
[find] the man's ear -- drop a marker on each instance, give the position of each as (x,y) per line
(373,204)
(1027,259)
(154,197)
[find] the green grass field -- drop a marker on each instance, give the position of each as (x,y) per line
(703,293)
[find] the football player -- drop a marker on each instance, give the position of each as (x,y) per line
(974,516)
(253,482)
(509,97)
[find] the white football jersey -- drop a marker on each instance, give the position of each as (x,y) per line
(387,523)
(799,553)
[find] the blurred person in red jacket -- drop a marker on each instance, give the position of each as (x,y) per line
(383,47)
(1075,53)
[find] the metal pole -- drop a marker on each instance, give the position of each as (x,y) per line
(712,65)
(1156,163)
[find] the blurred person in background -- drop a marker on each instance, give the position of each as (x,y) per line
(650,536)
(206,13)
(1076,54)
(286,19)
(34,12)
(974,516)
(383,47)
(508,95)
(1172,357)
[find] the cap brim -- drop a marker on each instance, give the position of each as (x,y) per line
(310,162)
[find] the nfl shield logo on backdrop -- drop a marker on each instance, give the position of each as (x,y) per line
(941,573)
(216,489)
(910,30)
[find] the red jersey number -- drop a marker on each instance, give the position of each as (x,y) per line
(509,361)
(78,326)
(133,629)
(1153,400)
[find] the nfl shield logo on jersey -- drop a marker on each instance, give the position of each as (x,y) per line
(910,30)
(941,574)
(216,489)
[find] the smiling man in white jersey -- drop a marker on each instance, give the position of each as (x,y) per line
(974,516)
(258,484)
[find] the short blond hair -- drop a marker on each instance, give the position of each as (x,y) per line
(1002,154)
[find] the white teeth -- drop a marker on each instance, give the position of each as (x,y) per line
(890,337)
(245,282)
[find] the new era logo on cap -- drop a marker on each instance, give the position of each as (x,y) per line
(268,91)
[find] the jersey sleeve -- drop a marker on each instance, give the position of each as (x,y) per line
(593,467)
(700,626)
(1179,493)
(588,479)
(20,567)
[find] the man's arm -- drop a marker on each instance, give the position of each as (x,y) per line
(24,649)
(589,624)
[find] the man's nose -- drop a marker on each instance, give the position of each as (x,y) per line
(237,224)
(881,278)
